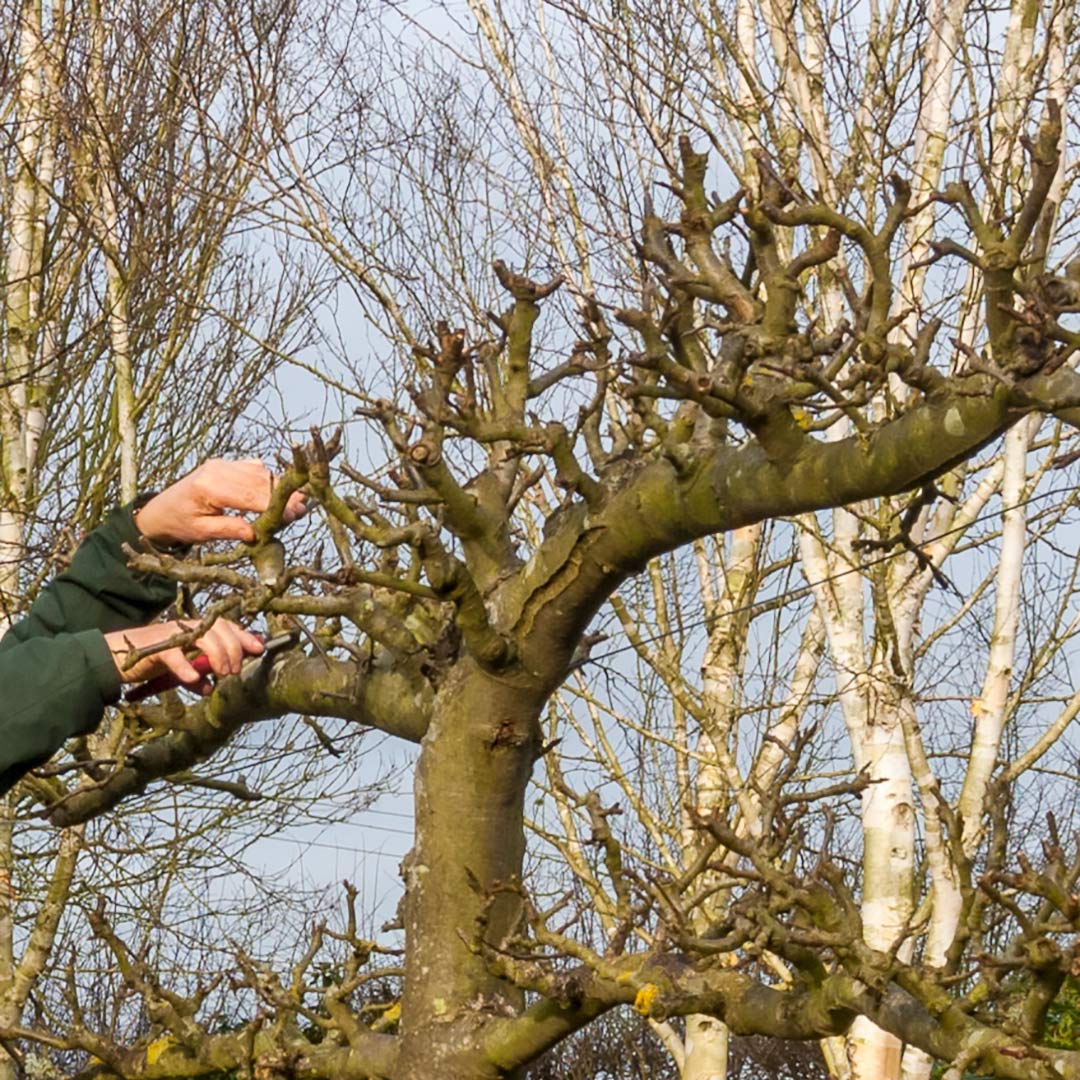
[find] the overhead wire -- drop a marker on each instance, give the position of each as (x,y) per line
(790,596)
(803,591)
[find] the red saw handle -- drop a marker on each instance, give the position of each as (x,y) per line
(201,663)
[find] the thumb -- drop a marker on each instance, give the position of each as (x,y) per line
(226,527)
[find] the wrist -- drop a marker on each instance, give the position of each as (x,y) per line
(119,647)
(151,522)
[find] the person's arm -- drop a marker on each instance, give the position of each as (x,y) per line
(53,688)
(97,591)
(57,672)
(56,687)
(60,666)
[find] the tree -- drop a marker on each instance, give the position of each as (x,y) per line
(125,285)
(701,379)
(792,72)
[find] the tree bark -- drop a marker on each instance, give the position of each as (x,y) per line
(475,763)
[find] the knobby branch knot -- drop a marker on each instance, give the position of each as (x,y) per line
(424,453)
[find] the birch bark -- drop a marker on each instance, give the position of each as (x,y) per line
(989,709)
(869,708)
(99,175)
(707,1039)
(28,364)
(21,302)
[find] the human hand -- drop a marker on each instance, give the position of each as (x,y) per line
(225,645)
(192,510)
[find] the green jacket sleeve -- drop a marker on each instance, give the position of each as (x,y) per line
(56,671)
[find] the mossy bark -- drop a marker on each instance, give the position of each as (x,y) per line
(475,762)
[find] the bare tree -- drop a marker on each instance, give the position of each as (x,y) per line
(667,364)
(768,55)
(126,283)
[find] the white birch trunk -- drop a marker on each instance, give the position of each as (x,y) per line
(930,144)
(872,716)
(707,1039)
(29,367)
(989,708)
(21,304)
(770,757)
(101,184)
(888,830)
(706,1049)
(746,24)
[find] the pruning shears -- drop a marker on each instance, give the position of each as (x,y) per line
(201,663)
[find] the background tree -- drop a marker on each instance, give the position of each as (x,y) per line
(129,303)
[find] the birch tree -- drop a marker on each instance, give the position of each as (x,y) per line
(900,762)
(680,755)
(124,174)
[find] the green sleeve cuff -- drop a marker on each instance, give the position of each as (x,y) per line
(99,660)
(129,531)
(55,687)
(122,522)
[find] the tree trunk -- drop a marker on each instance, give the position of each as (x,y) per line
(872,716)
(706,1049)
(474,767)
(888,853)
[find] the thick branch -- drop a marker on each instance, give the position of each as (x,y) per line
(396,701)
(662,508)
